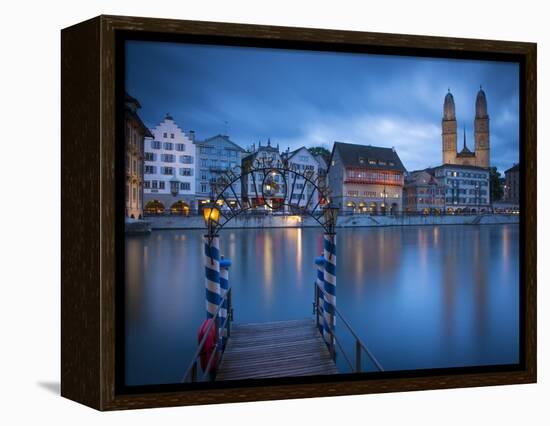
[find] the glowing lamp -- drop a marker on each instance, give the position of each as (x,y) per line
(211,215)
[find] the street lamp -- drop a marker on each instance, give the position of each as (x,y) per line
(211,215)
(330,214)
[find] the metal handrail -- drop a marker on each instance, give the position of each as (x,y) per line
(192,369)
(359,345)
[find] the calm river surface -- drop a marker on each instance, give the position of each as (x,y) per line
(419,297)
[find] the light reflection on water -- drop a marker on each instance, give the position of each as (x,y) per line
(420,297)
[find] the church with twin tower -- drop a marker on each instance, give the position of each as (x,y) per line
(480,157)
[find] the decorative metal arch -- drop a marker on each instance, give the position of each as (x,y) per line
(224,188)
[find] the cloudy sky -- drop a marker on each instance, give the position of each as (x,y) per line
(301,98)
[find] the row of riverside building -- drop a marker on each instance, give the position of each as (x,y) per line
(170,171)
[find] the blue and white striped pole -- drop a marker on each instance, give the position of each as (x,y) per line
(212,274)
(224,287)
(320,283)
(330,286)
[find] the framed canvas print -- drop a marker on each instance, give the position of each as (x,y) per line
(254,212)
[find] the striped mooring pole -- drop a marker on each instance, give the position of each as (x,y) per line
(329,255)
(224,286)
(212,274)
(320,283)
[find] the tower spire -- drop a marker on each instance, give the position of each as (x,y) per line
(464,137)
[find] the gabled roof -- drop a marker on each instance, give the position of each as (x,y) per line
(321,160)
(132,111)
(427,174)
(465,153)
(293,153)
(514,168)
(131,100)
(220,136)
(460,166)
(352,154)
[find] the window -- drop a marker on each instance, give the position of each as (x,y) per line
(155,145)
(165,135)
(186,159)
(167,158)
(167,170)
(150,170)
(203,187)
(186,172)
(185,186)
(180,147)
(161,184)
(134,194)
(203,163)
(168,145)
(203,175)
(154,184)
(171,136)
(147,184)
(149,156)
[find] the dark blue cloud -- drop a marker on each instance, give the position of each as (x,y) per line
(304,98)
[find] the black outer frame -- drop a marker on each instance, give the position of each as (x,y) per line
(120,387)
(104,389)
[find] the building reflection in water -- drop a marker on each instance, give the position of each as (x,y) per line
(419,297)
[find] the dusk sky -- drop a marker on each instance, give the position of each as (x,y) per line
(303,98)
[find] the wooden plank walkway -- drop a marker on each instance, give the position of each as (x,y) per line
(275,349)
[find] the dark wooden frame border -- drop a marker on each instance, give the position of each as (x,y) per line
(88,211)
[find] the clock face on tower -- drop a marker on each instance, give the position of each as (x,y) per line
(482,126)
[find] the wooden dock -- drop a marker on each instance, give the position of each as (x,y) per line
(275,349)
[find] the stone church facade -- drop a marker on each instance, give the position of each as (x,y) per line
(480,157)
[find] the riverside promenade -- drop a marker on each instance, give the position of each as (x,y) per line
(349,221)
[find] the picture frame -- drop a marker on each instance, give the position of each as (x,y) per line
(90,101)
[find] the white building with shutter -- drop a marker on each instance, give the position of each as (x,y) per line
(302,192)
(169,170)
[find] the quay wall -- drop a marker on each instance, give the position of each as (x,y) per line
(271,221)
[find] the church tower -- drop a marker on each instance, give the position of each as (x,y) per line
(448,125)
(481,131)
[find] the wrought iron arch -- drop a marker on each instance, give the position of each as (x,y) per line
(224,190)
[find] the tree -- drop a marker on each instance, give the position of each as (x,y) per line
(320,150)
(494,181)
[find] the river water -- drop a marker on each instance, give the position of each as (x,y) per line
(419,297)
